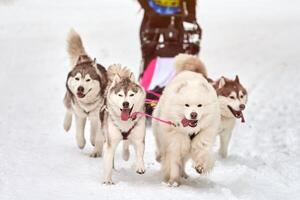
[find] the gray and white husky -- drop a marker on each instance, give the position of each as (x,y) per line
(86,83)
(232,98)
(124,98)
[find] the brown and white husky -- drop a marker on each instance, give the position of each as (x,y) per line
(86,84)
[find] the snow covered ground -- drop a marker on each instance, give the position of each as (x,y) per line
(258,39)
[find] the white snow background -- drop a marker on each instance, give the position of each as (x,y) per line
(257,39)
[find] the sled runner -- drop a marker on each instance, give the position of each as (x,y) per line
(169,27)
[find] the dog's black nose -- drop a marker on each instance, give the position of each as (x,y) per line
(125,104)
(194,115)
(242,106)
(80,89)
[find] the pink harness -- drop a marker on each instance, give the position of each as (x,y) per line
(134,115)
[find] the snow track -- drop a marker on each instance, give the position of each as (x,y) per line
(259,40)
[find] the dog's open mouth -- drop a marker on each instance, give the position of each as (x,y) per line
(81,94)
(189,122)
(126,113)
(236,113)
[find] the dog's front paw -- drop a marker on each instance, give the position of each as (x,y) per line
(80,143)
(199,169)
(205,165)
(140,170)
(172,183)
(108,182)
(223,153)
(96,154)
(184,175)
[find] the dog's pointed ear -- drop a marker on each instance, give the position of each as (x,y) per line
(94,64)
(222,82)
(237,80)
(79,60)
(116,79)
(132,77)
(180,86)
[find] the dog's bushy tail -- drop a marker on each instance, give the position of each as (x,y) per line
(190,63)
(74,46)
(117,69)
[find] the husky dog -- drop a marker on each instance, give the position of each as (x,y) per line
(191,104)
(125,97)
(232,98)
(86,83)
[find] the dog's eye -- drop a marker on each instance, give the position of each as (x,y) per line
(77,79)
(232,97)
(120,95)
(199,105)
(242,96)
(187,105)
(88,80)
(131,95)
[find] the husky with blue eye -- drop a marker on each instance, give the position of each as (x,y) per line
(124,98)
(86,84)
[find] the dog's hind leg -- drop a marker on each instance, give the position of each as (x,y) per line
(126,152)
(80,125)
(68,120)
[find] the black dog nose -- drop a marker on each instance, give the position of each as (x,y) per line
(194,115)
(80,89)
(125,104)
(242,106)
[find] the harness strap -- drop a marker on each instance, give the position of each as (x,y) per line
(153,93)
(193,136)
(127,133)
(155,118)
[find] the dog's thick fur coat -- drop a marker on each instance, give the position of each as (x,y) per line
(232,98)
(86,83)
(124,97)
(187,97)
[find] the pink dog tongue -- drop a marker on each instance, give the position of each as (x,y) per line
(125,114)
(185,122)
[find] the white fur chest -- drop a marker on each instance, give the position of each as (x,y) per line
(87,110)
(121,125)
(226,124)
